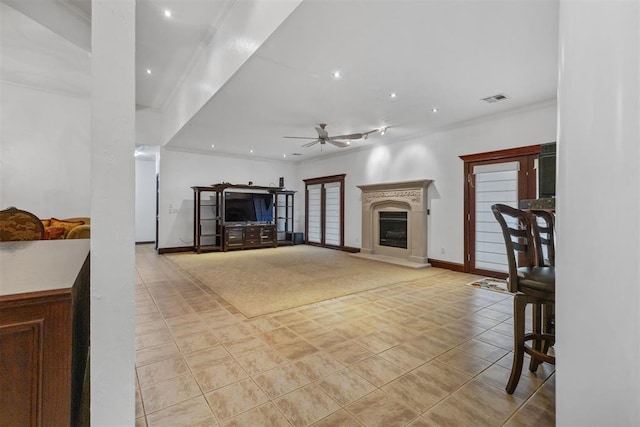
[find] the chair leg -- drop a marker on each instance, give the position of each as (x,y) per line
(519,306)
(537,331)
(548,314)
(543,345)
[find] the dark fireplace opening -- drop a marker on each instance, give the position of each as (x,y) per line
(393,229)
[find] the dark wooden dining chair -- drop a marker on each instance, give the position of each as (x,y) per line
(546,229)
(531,284)
(546,222)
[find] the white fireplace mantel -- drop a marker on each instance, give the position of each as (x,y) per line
(406,196)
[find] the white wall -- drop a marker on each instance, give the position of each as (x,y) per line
(145,200)
(434,156)
(598,240)
(44,152)
(179,171)
(113,323)
(148,127)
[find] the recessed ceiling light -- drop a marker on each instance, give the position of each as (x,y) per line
(383,131)
(348,142)
(213,145)
(434,110)
(284,156)
(393,95)
(336,74)
(167,13)
(148,70)
(251,151)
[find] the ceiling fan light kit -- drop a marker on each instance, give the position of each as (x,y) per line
(323,137)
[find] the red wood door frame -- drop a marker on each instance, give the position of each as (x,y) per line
(322,181)
(527,187)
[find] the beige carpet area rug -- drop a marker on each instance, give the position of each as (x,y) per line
(490,284)
(263,281)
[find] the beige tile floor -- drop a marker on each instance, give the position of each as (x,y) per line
(419,353)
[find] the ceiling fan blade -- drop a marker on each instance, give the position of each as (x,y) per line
(309,144)
(298,137)
(349,136)
(322,133)
(338,143)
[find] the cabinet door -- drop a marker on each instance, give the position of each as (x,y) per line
(20,370)
(233,236)
(35,359)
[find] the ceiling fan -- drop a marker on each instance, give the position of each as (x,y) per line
(323,137)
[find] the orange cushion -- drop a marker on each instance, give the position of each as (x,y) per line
(52,233)
(67,225)
(45,222)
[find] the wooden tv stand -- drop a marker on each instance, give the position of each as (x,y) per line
(210,233)
(240,236)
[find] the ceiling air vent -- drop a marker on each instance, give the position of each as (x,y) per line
(495,98)
(296,154)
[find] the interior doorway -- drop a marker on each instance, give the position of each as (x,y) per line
(324,211)
(146,198)
(505,176)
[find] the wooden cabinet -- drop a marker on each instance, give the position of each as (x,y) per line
(233,237)
(211,234)
(43,339)
(249,236)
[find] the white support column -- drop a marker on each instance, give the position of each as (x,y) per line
(598,208)
(112,213)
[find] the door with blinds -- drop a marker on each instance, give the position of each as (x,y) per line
(324,211)
(314,213)
(505,180)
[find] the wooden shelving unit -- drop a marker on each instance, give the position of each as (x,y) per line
(283,212)
(210,233)
(207,219)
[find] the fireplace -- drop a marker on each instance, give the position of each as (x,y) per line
(394,222)
(393,229)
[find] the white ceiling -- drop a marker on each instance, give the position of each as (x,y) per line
(167,46)
(442,54)
(445,54)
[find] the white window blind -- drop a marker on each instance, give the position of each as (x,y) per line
(314,193)
(494,183)
(332,214)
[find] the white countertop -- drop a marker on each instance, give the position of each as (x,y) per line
(40,265)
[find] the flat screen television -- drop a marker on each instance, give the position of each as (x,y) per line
(248,207)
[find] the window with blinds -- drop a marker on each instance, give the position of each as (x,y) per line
(494,183)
